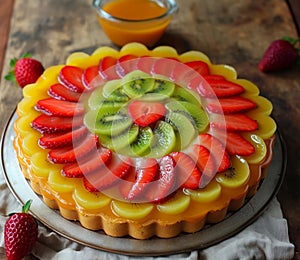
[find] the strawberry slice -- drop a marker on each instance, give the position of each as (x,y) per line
(230,105)
(91,78)
(215,88)
(188,175)
(107,69)
(71,154)
(146,113)
(200,66)
(183,74)
(146,171)
(53,124)
(55,140)
(60,92)
(235,122)
(212,77)
(126,185)
(94,162)
(126,64)
(145,64)
(54,107)
(71,77)
(164,66)
(164,186)
(235,143)
(205,163)
(217,150)
(106,177)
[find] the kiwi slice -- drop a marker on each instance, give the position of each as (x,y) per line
(113,91)
(95,98)
(195,112)
(142,144)
(123,139)
(118,95)
(111,86)
(97,101)
(163,141)
(137,83)
(237,175)
(153,97)
(111,104)
(184,94)
(107,120)
(163,87)
(184,128)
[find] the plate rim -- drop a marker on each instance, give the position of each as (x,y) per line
(154,246)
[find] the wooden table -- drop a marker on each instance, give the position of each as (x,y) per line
(228,31)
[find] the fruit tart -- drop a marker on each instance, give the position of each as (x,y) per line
(143,142)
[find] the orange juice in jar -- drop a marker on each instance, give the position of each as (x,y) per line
(142,21)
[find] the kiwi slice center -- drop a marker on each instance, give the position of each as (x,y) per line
(110,119)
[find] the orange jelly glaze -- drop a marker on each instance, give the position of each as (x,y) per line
(147,32)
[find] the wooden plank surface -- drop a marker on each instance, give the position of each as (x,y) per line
(5,15)
(228,31)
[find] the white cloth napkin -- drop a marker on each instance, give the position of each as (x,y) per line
(267,238)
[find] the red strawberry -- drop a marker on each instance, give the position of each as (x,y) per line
(217,150)
(54,107)
(235,143)
(215,88)
(100,180)
(146,113)
(188,175)
(146,171)
(205,160)
(92,163)
(145,64)
(25,70)
(107,68)
(125,64)
(55,140)
(91,78)
(183,74)
(213,77)
(234,122)
(53,124)
(71,77)
(164,66)
(60,92)
(74,152)
(200,66)
(281,54)
(230,105)
(164,186)
(20,233)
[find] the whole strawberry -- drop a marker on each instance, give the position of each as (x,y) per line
(25,70)
(280,55)
(20,233)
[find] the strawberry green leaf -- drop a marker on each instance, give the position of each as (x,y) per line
(10,76)
(13,62)
(26,206)
(26,55)
(291,39)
